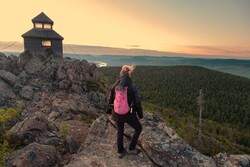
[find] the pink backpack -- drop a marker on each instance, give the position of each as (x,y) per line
(121,101)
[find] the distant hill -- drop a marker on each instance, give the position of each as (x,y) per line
(172,92)
(232,66)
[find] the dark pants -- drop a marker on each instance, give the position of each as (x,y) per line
(135,124)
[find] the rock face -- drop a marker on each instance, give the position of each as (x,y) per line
(160,146)
(166,148)
(100,149)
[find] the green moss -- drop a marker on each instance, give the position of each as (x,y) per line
(95,86)
(64,128)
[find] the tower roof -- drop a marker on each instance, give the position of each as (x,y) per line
(42,33)
(42,18)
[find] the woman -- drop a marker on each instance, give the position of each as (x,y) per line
(126,112)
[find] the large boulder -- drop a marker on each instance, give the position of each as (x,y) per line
(27,92)
(73,103)
(224,160)
(160,146)
(98,99)
(4,62)
(166,148)
(6,90)
(33,128)
(34,155)
(23,76)
(8,77)
(30,63)
(71,144)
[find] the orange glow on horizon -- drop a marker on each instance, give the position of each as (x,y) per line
(171,26)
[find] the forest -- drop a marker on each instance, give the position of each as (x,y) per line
(172,92)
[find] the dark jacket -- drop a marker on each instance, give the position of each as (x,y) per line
(132,95)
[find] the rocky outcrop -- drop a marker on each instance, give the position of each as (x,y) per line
(30,73)
(160,146)
(34,155)
(54,90)
(100,149)
(62,97)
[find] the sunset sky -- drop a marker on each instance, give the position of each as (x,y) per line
(214,27)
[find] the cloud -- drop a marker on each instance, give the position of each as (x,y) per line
(133,46)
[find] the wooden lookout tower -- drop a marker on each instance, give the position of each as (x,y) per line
(42,36)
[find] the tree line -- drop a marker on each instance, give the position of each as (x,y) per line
(174,89)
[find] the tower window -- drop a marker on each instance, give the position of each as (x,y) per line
(38,25)
(46,43)
(47,26)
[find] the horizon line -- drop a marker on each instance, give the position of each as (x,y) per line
(162,53)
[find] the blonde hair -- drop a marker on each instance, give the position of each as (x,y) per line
(127,69)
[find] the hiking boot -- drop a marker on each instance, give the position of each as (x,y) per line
(121,155)
(134,152)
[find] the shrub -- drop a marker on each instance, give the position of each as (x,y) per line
(5,151)
(88,118)
(6,115)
